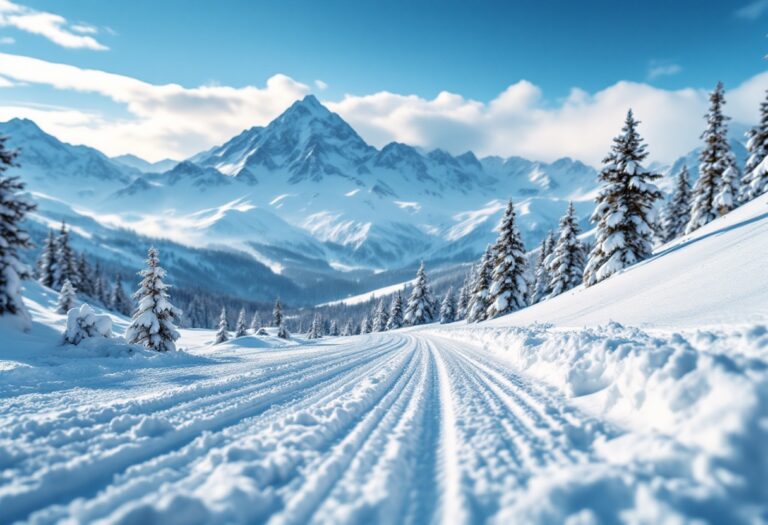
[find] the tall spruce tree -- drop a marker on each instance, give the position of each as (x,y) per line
(479,298)
(714,159)
(241,328)
(85,274)
(756,170)
(316,328)
(66,266)
(47,262)
(729,195)
(448,308)
(333,330)
(277,314)
(380,317)
(566,266)
(395,320)
(255,322)
(14,208)
(118,300)
(542,282)
(365,325)
(677,212)
(66,297)
(152,325)
(462,303)
(347,330)
(222,331)
(509,280)
(421,305)
(624,213)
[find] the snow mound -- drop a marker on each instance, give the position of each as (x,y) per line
(83,323)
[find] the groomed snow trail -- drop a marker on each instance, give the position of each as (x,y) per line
(387,428)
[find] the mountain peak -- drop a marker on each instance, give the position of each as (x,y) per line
(309,105)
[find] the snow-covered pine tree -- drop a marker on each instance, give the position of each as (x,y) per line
(83,323)
(222,333)
(395,320)
(713,161)
(421,305)
(277,314)
(152,325)
(316,328)
(448,308)
(66,265)
(380,317)
(462,304)
(566,266)
(241,328)
(542,283)
(509,281)
(347,330)
(677,212)
(624,211)
(47,261)
(13,210)
(333,330)
(756,170)
(118,300)
(255,322)
(84,272)
(729,194)
(365,325)
(478,300)
(66,297)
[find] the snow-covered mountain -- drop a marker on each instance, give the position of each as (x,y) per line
(132,161)
(306,197)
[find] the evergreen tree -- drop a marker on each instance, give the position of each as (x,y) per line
(624,213)
(542,283)
(47,262)
(756,170)
(222,334)
(448,308)
(196,314)
(87,286)
(241,329)
(728,196)
(152,325)
(478,301)
(277,314)
(316,328)
(714,159)
(365,325)
(395,320)
(347,330)
(118,300)
(421,305)
(509,280)
(255,322)
(462,304)
(66,297)
(567,262)
(333,331)
(677,212)
(380,317)
(66,266)
(13,210)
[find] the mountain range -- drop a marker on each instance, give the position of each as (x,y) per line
(304,200)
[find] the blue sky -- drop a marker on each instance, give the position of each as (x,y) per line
(473,50)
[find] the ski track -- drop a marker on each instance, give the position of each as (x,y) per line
(388,428)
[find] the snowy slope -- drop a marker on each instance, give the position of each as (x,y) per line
(714,275)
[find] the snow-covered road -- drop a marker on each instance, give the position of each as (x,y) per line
(392,428)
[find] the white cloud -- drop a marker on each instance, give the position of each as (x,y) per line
(174,121)
(49,25)
(7,40)
(753,10)
(659,69)
(319,84)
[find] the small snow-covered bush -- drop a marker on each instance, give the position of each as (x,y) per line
(83,323)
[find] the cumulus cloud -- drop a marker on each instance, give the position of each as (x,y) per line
(174,121)
(49,25)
